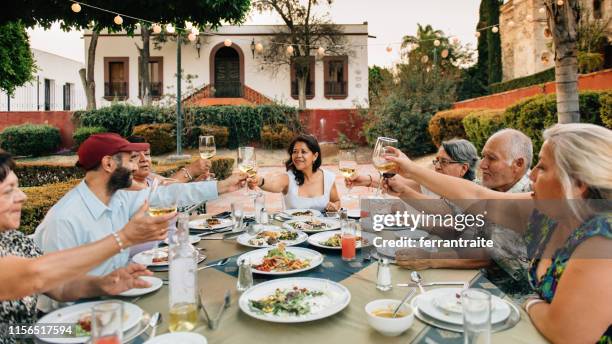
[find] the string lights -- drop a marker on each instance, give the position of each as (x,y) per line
(76,8)
(118,20)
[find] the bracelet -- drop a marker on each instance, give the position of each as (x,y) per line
(119,242)
(187,174)
(263,181)
(532,302)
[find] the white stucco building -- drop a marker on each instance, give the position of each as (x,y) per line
(56,86)
(230,74)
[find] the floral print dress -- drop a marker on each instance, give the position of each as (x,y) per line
(21,311)
(538,234)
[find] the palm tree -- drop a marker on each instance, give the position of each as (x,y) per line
(563,19)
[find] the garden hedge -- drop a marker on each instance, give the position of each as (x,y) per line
(480,125)
(192,135)
(447,124)
(30,139)
(530,80)
(161,137)
(122,118)
(606,109)
(82,133)
(40,200)
(276,136)
(37,174)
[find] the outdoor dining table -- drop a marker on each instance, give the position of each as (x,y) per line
(347,326)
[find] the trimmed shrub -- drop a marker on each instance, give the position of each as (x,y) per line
(122,118)
(161,137)
(446,125)
(40,200)
(82,133)
(480,125)
(37,174)
(276,136)
(222,167)
(30,139)
(606,109)
(530,80)
(192,135)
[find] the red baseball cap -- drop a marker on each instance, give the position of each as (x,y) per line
(98,146)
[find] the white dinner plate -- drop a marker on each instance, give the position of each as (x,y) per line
(256,257)
(193,239)
(411,234)
(132,315)
(244,238)
(146,257)
(334,299)
(329,224)
(293,212)
(318,239)
(425,302)
(178,337)
(201,224)
(156,283)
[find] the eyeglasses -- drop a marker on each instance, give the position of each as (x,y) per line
(445,162)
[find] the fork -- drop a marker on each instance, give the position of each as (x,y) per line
(227,300)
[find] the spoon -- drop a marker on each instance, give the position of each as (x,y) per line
(416,278)
(409,295)
(219,263)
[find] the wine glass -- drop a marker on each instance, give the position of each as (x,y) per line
(387,169)
(347,164)
(247,163)
(162,198)
(207,147)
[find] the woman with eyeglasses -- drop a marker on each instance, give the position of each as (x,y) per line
(456,158)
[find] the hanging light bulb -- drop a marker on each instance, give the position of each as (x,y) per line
(444,53)
(227,42)
(477,34)
(188,25)
(389,49)
(321,51)
(118,20)
(157,28)
(560,2)
(76,8)
(259,47)
(169,28)
(290,50)
(542,10)
(495,29)
(437,42)
(195,30)
(191,37)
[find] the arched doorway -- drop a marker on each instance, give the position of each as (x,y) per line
(227,71)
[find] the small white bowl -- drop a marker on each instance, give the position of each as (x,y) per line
(389,326)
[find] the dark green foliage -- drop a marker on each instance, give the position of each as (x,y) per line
(161,136)
(30,139)
(534,79)
(276,136)
(122,118)
(480,125)
(606,110)
(192,135)
(17,64)
(446,125)
(82,133)
(37,174)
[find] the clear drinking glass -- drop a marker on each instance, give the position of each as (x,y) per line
(163,199)
(107,323)
(247,163)
(207,147)
(347,164)
(259,201)
(348,240)
(387,169)
(245,275)
(237,216)
(476,305)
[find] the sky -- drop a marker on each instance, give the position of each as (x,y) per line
(388,20)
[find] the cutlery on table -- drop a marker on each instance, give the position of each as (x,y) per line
(154,322)
(416,278)
(219,263)
(227,300)
(208,318)
(432,284)
(409,295)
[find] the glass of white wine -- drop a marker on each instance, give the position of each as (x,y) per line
(347,164)
(162,199)
(387,169)
(207,147)
(247,163)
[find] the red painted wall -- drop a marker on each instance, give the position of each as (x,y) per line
(60,119)
(346,121)
(595,81)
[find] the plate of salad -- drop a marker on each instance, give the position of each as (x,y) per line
(294,300)
(271,236)
(333,240)
(282,260)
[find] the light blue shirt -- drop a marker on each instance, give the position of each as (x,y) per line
(80,217)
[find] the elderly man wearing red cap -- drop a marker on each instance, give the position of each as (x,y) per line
(98,207)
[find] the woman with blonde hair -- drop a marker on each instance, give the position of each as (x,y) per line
(568,232)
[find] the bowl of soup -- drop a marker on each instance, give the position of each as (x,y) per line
(380,316)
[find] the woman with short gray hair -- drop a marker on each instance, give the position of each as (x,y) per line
(457,157)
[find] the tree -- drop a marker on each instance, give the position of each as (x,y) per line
(563,22)
(145,54)
(304,31)
(17,64)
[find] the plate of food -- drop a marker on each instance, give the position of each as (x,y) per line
(271,236)
(282,260)
(333,240)
(294,300)
(293,213)
(157,257)
(312,224)
(210,223)
(80,315)
(193,239)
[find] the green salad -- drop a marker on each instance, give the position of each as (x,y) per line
(294,301)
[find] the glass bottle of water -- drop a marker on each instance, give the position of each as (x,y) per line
(183,259)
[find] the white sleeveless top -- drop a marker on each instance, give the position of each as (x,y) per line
(293,201)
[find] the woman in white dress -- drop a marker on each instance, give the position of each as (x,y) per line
(305,184)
